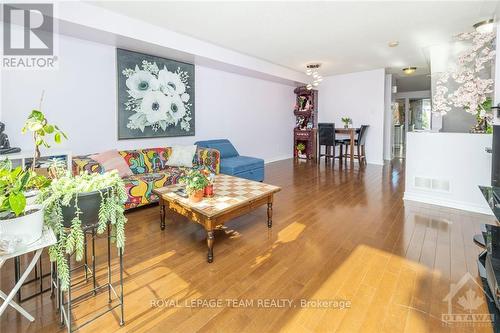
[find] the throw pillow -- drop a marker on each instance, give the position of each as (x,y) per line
(111,160)
(182,156)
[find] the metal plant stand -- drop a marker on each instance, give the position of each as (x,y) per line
(40,276)
(65,300)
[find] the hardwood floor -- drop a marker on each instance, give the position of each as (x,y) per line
(339,234)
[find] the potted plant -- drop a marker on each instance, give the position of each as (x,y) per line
(300,148)
(73,202)
(208,191)
(19,219)
(38,125)
(195,181)
(347,121)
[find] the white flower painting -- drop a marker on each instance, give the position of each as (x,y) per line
(155,96)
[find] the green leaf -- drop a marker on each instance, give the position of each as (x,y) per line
(57,137)
(33,125)
(17,202)
(24,180)
(48,129)
(37,115)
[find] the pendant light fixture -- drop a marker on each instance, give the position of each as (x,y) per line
(312,70)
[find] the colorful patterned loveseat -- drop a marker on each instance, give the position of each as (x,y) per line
(150,171)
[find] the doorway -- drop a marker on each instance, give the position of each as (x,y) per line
(398,132)
(409,115)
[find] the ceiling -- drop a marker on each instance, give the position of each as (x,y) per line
(344,36)
(413,83)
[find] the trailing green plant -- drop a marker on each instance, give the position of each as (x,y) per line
(195,180)
(63,192)
(57,168)
(14,182)
(40,128)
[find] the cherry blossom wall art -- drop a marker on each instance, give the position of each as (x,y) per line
(155,96)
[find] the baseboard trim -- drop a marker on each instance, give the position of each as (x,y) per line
(278,158)
(377,162)
(467,206)
(286,157)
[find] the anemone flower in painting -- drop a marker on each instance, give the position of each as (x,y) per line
(140,83)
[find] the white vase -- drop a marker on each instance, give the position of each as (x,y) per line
(28,228)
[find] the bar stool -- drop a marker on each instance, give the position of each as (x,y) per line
(359,142)
(327,139)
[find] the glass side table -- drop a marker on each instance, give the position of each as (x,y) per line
(48,238)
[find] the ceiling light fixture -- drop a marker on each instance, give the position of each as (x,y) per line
(409,70)
(312,70)
(393,43)
(485,26)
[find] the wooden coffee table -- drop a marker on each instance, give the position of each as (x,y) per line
(233,197)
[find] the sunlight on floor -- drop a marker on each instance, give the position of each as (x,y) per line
(384,288)
(288,234)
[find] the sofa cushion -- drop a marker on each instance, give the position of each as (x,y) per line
(234,165)
(224,146)
(182,156)
(111,160)
(255,174)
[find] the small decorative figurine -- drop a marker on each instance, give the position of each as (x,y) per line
(5,147)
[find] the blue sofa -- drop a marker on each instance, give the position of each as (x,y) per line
(231,163)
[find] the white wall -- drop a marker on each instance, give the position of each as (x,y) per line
(459,158)
(359,96)
(80,97)
(388,117)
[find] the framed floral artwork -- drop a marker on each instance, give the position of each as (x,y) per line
(155,96)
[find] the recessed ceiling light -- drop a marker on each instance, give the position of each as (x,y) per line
(484,26)
(393,43)
(409,70)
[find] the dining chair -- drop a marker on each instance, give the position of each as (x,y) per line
(327,138)
(359,142)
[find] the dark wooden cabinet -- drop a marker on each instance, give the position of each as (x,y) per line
(305,131)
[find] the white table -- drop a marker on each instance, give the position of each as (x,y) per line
(48,238)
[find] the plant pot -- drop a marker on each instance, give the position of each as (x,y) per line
(28,228)
(196,196)
(31,196)
(346,126)
(89,203)
(209,191)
